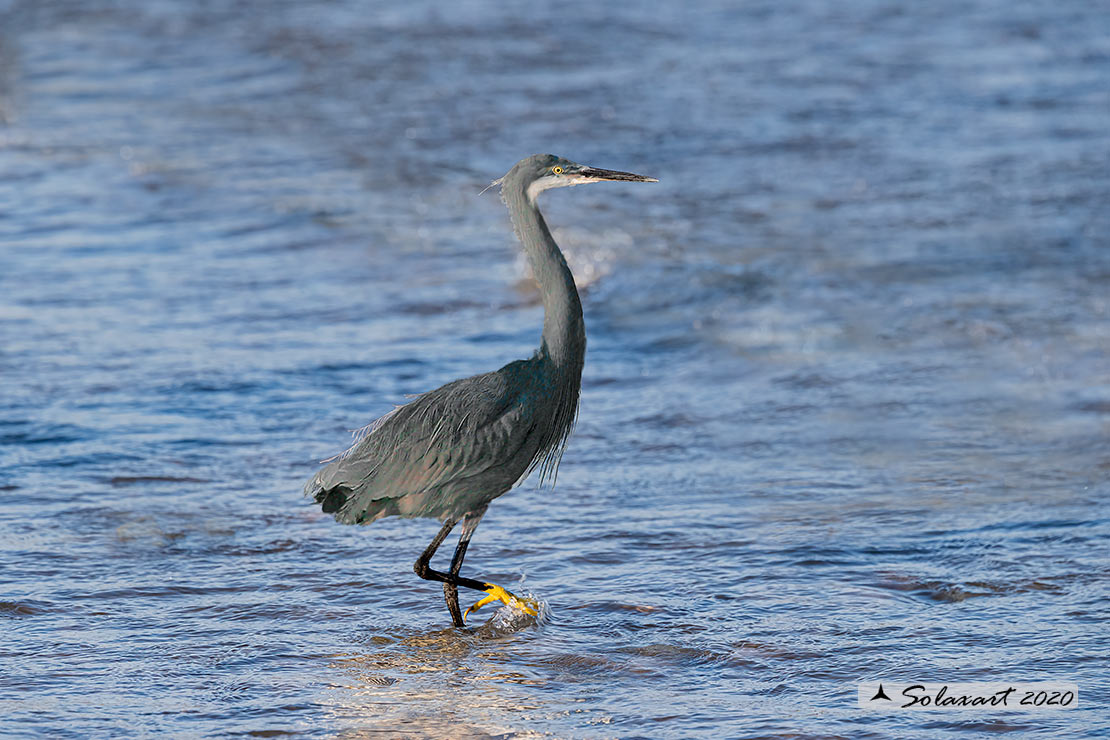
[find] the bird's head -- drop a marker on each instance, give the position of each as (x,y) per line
(545,171)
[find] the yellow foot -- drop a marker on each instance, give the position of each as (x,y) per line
(496,593)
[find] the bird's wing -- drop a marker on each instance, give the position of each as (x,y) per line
(458,431)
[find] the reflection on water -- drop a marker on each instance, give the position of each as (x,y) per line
(844,411)
(436,683)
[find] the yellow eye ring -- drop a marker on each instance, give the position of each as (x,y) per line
(557,170)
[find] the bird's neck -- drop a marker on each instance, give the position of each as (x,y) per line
(564,332)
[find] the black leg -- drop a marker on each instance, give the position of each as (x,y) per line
(450,590)
(424,570)
(421,567)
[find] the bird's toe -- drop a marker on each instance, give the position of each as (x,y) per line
(497,593)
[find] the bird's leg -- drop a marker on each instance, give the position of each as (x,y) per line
(450,590)
(451,581)
(496,593)
(421,567)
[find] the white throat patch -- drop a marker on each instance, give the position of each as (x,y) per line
(550,181)
(544,183)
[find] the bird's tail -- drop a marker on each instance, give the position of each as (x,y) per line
(334,501)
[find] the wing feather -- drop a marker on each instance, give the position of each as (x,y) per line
(464,429)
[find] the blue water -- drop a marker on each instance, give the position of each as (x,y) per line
(845,413)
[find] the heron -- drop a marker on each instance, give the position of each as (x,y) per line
(449,452)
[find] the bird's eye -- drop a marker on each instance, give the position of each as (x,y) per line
(557,170)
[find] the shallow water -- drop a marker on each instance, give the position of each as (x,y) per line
(845,414)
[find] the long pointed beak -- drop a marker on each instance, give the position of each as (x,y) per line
(594,174)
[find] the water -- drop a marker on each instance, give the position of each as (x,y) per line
(845,413)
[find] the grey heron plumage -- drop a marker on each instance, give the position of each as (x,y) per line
(451,451)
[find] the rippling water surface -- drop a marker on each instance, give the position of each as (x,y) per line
(845,414)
